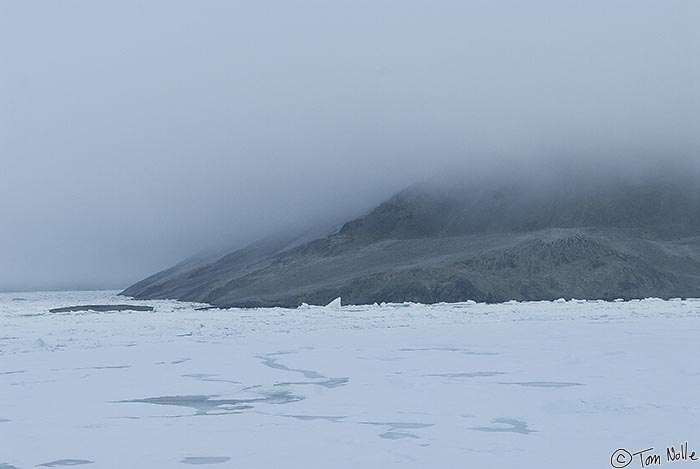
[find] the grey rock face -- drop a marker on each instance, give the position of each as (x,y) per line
(604,241)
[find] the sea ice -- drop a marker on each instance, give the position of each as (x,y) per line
(543,384)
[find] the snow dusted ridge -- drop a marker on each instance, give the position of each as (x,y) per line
(545,385)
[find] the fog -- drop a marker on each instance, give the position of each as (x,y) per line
(134,134)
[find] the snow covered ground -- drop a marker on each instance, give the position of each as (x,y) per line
(531,385)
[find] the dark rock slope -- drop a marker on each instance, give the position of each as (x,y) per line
(602,240)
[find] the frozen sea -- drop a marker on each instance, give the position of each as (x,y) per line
(466,385)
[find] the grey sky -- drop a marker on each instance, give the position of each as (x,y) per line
(133,133)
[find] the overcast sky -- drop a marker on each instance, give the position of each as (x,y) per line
(136,133)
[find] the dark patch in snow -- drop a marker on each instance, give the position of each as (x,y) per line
(512,426)
(24,383)
(310,374)
(399,425)
(113,367)
(205,460)
(209,377)
(382,359)
(67,462)
(328,383)
(397,435)
(272,363)
(447,349)
(473,374)
(546,384)
(208,405)
(314,417)
(392,434)
(101,308)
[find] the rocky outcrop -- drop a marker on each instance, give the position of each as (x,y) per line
(606,240)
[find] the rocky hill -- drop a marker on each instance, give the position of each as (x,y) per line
(486,242)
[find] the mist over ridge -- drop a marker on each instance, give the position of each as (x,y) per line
(133,135)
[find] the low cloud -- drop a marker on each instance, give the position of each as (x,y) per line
(133,135)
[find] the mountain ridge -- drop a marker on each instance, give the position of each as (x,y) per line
(493,243)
